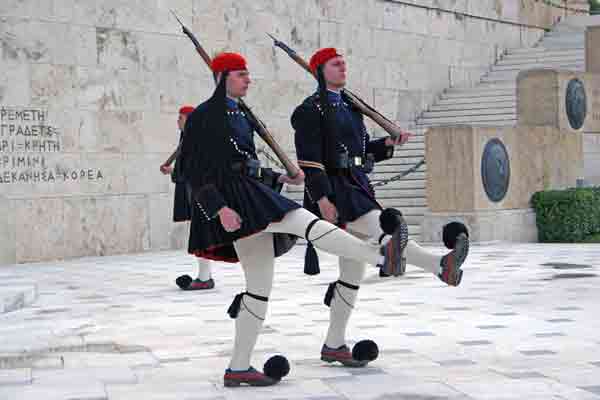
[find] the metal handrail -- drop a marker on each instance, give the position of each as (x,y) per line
(552,3)
(490,19)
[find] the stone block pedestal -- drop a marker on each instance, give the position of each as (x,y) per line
(517,225)
(490,190)
(8,251)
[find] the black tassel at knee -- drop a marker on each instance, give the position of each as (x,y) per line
(234,308)
(329,294)
(311,260)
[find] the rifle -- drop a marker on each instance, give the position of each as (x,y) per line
(391,128)
(291,169)
(173,156)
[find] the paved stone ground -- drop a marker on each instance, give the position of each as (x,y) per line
(523,325)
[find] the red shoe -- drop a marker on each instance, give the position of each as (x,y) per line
(249,377)
(394,263)
(185,282)
(197,284)
(342,355)
(451,262)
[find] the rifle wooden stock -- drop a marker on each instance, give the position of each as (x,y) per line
(291,168)
(391,128)
(173,156)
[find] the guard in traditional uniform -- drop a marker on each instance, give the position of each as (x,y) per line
(237,215)
(336,154)
(182,212)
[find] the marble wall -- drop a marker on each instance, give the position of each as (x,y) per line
(89,92)
(591,139)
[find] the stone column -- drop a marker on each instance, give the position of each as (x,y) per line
(591,138)
(8,251)
(547,97)
(592,49)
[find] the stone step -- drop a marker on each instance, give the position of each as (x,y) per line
(503,86)
(563,38)
(534,59)
(575,37)
(474,122)
(511,76)
(415,138)
(470,119)
(378,175)
(412,144)
(568,32)
(400,202)
(296,192)
(566,41)
(472,106)
(396,169)
(399,160)
(408,184)
(562,27)
(414,207)
(542,50)
(562,46)
(580,21)
(414,231)
(392,191)
(478,100)
(481,94)
(460,113)
(504,75)
(407,153)
(399,163)
(536,63)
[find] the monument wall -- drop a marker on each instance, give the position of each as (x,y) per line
(485,177)
(591,144)
(89,92)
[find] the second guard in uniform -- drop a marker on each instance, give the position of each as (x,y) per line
(336,153)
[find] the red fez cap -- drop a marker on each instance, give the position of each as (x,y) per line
(185,110)
(228,62)
(322,56)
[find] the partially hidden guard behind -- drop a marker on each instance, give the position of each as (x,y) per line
(336,154)
(182,209)
(236,215)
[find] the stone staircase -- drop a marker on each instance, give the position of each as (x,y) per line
(492,101)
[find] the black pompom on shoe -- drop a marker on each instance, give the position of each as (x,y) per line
(451,232)
(183,281)
(365,350)
(277,367)
(389,220)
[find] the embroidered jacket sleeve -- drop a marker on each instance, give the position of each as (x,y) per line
(206,196)
(306,123)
